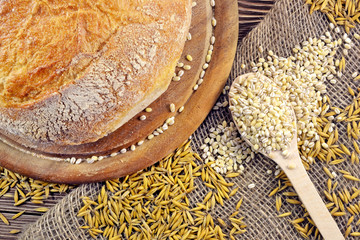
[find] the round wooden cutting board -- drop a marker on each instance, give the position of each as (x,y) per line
(197,105)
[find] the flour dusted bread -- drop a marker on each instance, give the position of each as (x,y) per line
(73,71)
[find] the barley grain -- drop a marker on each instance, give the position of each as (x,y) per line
(284,214)
(17,215)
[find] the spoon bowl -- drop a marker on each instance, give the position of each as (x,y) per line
(291,164)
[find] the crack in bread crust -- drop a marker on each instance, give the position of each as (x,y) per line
(94,92)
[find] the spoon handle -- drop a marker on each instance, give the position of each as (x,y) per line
(310,198)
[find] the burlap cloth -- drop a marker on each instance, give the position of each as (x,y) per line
(287,24)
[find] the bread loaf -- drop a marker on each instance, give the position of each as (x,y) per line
(73,71)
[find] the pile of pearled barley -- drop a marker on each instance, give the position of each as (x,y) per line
(264,118)
(230,150)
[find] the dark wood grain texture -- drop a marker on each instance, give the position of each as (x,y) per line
(250,13)
(8,209)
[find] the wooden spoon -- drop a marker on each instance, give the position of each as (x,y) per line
(296,173)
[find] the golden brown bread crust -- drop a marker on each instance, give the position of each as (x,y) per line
(73,71)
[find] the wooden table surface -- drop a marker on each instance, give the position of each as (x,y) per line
(251,12)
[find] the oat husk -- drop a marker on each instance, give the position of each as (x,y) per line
(287,24)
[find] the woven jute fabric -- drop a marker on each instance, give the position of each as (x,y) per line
(286,25)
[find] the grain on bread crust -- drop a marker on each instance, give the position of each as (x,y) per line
(72,72)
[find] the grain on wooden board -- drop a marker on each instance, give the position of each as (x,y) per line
(4,219)
(25,190)
(18,214)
